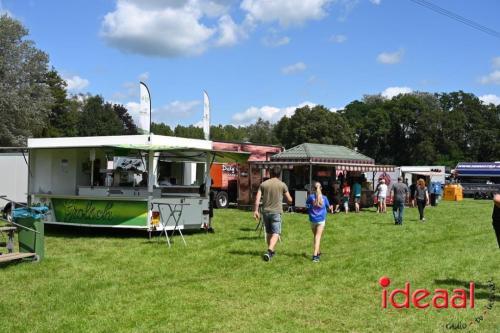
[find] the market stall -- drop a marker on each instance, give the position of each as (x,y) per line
(136,181)
(328,164)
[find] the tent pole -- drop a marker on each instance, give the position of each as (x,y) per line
(310,177)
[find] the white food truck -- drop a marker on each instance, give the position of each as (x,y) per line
(149,182)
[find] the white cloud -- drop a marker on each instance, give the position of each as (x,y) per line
(230,32)
(144,76)
(76,83)
(335,109)
(174,28)
(198,124)
(490,99)
(4,11)
(274,40)
(376,2)
(338,38)
(391,92)
(175,110)
(294,69)
(286,12)
(492,78)
(270,113)
(157,28)
(390,58)
(495,62)
(130,89)
(170,113)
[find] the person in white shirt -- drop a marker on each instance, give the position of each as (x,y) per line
(382,194)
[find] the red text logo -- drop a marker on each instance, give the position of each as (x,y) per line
(423,298)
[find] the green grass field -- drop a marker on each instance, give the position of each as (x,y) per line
(99,281)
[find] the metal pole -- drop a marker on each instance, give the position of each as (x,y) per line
(151,172)
(92,174)
(310,177)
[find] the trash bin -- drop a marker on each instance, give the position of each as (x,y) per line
(31,229)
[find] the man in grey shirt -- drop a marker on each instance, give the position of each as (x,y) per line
(271,192)
(399,194)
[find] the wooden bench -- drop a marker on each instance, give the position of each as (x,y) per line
(16,256)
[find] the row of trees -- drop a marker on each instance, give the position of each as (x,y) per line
(410,129)
(34,100)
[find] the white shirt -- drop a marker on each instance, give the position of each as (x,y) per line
(382,190)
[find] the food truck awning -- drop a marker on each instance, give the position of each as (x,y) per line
(425,173)
(424,170)
(137,142)
(478,169)
(340,157)
(174,147)
(338,166)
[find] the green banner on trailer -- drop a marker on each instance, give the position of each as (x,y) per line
(101,212)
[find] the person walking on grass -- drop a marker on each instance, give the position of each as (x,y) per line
(496,216)
(399,195)
(317,204)
(356,188)
(335,196)
(381,196)
(346,192)
(413,188)
(271,191)
(422,197)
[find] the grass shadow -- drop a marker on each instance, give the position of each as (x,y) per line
(256,253)
(250,238)
(484,289)
(79,232)
(64,231)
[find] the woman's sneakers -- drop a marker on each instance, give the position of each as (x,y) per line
(268,255)
(315,258)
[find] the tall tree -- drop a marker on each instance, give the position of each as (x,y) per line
(60,123)
(129,127)
(190,131)
(161,129)
(314,125)
(228,133)
(99,118)
(261,132)
(25,97)
(371,124)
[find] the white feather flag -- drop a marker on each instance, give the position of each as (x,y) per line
(144,110)
(206,116)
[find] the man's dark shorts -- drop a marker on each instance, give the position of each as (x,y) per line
(272,221)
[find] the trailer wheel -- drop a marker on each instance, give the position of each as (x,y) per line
(221,200)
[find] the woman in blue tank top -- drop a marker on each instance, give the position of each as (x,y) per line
(317,205)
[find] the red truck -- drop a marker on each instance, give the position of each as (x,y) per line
(232,182)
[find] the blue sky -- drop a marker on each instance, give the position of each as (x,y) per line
(262,58)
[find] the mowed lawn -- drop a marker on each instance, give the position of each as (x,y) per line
(102,281)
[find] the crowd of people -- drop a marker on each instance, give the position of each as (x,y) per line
(272,191)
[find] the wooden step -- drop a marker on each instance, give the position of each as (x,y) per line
(15,256)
